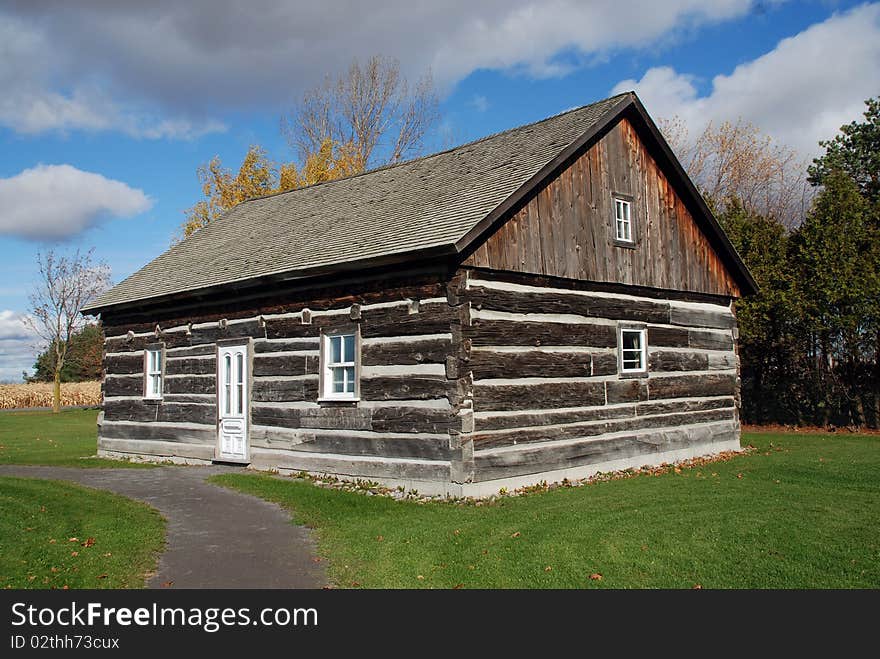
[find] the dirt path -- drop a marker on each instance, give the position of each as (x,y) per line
(217,538)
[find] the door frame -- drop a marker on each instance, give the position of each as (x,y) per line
(247,343)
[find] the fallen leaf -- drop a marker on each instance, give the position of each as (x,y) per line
(74,553)
(32,577)
(644,547)
(89,542)
(73,540)
(107,555)
(379,538)
(317,559)
(739,476)
(515,535)
(355,584)
(696,586)
(52,541)
(166,584)
(65,587)
(456,532)
(596,576)
(420,577)
(54,569)
(458,586)
(547,569)
(102,576)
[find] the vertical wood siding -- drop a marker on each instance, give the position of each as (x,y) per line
(567,228)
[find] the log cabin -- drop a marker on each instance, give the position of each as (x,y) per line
(548,302)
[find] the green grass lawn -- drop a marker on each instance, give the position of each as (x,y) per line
(68,438)
(55,534)
(803,511)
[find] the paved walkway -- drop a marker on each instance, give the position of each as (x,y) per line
(217,538)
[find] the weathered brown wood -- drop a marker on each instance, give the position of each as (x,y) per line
(187,366)
(124,364)
(537,237)
(310,343)
(271,390)
(190,385)
(413,387)
(187,413)
(538,396)
(298,364)
(432,318)
(427,351)
(194,351)
(123,385)
(574,431)
(721,319)
(212,334)
(626,391)
(130,410)
(605,363)
(554,302)
(534,458)
(154,431)
(550,417)
(662,360)
(342,444)
(485,364)
(413,419)
(683,386)
(668,337)
(710,340)
(516,333)
(666,407)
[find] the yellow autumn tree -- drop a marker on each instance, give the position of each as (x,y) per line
(259,176)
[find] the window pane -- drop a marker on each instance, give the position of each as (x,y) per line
(631,340)
(240,396)
(348,355)
(239,368)
(227,370)
(626,208)
(335,349)
(338,380)
(349,379)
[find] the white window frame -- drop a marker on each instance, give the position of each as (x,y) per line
(328,367)
(623,220)
(642,350)
(151,374)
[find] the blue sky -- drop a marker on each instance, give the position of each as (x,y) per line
(107,112)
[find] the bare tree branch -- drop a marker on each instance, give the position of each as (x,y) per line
(65,285)
(371,107)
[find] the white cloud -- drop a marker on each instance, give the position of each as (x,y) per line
(64,66)
(18,346)
(799,93)
(480,103)
(59,201)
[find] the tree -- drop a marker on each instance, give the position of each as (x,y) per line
(837,259)
(734,161)
(856,151)
(65,285)
(83,361)
(371,107)
(258,176)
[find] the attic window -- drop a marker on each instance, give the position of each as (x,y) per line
(623,226)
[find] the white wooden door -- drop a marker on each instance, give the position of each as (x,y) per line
(232,401)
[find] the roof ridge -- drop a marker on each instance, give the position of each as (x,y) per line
(386,167)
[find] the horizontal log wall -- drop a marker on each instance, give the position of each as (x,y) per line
(546,390)
(404,412)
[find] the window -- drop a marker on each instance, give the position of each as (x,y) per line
(633,350)
(340,371)
(153,372)
(623,220)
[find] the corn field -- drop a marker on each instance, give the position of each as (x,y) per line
(39,394)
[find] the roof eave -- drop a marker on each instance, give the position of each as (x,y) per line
(433,253)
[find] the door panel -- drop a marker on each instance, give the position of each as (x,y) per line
(232,402)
